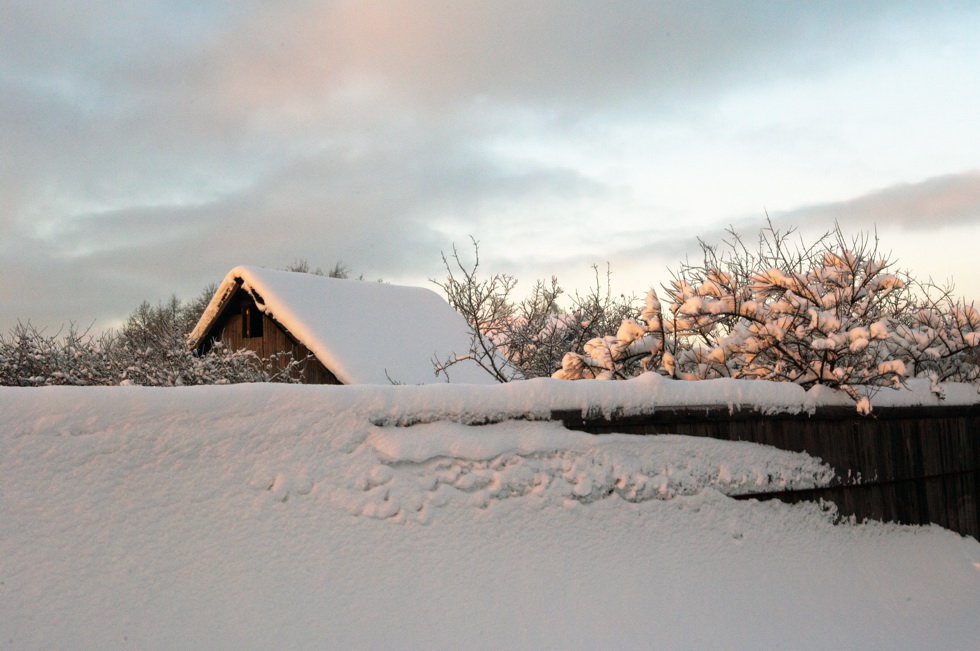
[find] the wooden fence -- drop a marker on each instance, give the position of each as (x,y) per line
(913,465)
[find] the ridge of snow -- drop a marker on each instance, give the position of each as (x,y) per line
(418,469)
(525,399)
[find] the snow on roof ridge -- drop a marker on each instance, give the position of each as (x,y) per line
(364,332)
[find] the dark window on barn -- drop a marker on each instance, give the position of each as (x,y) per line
(251,322)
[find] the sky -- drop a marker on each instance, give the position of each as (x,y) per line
(147,148)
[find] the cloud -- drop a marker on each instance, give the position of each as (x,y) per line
(147,147)
(224,65)
(913,217)
(437,52)
(382,209)
(942,201)
(113,105)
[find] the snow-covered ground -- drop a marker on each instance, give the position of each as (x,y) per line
(272,516)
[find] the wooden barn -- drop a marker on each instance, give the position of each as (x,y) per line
(349,331)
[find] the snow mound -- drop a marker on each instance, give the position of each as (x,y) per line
(415,471)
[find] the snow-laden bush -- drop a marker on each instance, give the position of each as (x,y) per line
(831,313)
(940,340)
(29,357)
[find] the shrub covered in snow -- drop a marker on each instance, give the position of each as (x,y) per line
(29,357)
(832,312)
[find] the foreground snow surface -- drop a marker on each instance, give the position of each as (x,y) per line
(260,516)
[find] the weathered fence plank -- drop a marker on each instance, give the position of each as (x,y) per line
(913,465)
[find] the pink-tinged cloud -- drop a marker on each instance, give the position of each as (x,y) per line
(948,200)
(439,53)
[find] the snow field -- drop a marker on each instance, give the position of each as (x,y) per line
(256,517)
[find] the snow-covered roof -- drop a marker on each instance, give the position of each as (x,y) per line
(363,332)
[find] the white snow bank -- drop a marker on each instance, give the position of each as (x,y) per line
(421,467)
(444,439)
(280,517)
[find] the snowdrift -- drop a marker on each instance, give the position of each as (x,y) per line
(271,516)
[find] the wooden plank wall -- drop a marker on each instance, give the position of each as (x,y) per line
(909,465)
(274,340)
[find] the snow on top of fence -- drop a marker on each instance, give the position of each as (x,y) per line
(534,399)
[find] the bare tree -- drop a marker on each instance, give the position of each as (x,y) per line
(513,339)
(339,270)
(486,305)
